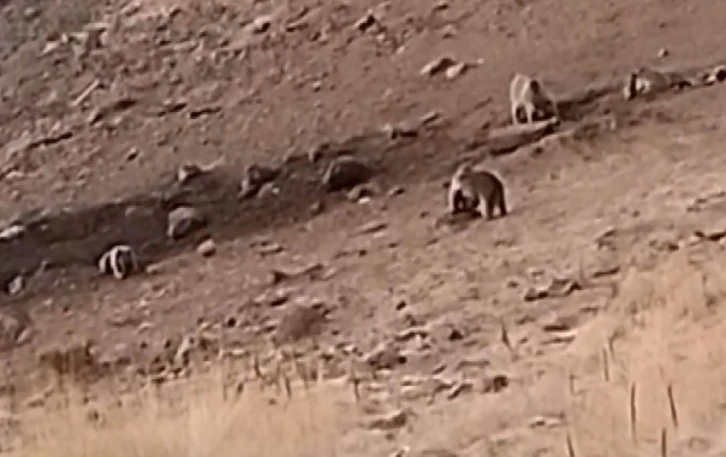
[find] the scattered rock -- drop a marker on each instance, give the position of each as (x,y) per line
(448,31)
(441,5)
(313,271)
(401,130)
(459,388)
(456,70)
(345,172)
(396,190)
(557,288)
(112,107)
(367,21)
(207,248)
(317,208)
(384,357)
(187,172)
(16,285)
(454,334)
(255,177)
(372,227)
(269,189)
(390,421)
(663,53)
(274,298)
(718,74)
(183,351)
(546,421)
(495,383)
(363,191)
(184,220)
(267,248)
(437,66)
(430,117)
(261,23)
(411,333)
(12,232)
(714,233)
(560,324)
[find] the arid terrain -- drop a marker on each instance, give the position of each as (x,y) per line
(303,318)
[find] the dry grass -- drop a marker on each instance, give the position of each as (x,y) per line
(194,419)
(664,393)
(664,335)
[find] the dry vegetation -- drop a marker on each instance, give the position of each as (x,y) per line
(480,339)
(197,418)
(648,368)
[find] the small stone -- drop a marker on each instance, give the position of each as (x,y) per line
(317,208)
(496,383)
(430,117)
(269,189)
(261,23)
(255,177)
(183,351)
(183,221)
(401,130)
(384,357)
(459,388)
(365,22)
(372,227)
(437,65)
(345,172)
(12,232)
(362,191)
(456,70)
(273,299)
(207,248)
(663,53)
(448,31)
(390,421)
(441,5)
(187,172)
(31,13)
(455,334)
(16,285)
(396,190)
(132,154)
(269,248)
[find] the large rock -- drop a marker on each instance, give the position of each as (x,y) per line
(256,176)
(345,172)
(183,221)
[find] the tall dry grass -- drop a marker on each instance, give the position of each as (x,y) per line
(652,367)
(196,419)
(649,379)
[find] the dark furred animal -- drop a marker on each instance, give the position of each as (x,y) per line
(471,188)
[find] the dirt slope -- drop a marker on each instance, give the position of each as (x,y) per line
(91,128)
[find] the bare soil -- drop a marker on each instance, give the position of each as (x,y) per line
(92,136)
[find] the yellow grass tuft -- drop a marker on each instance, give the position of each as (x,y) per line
(194,419)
